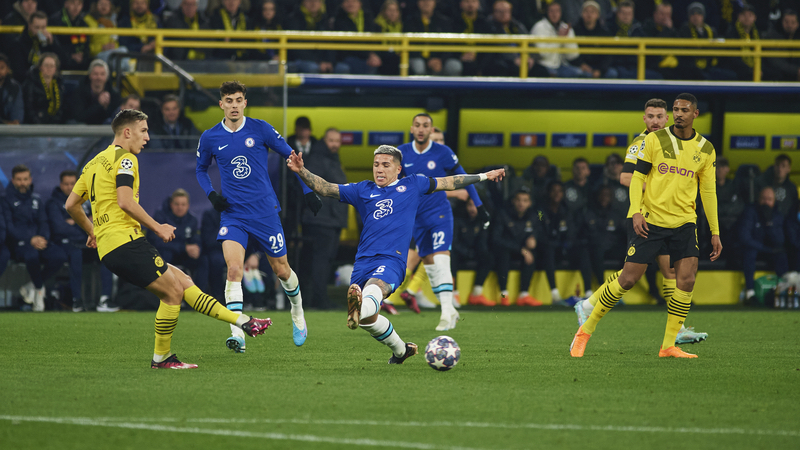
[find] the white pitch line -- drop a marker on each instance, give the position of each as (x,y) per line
(440,424)
(86,421)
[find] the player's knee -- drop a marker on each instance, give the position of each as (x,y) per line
(235,272)
(281,269)
(626,281)
(686,282)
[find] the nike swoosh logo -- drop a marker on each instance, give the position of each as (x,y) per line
(374,195)
(408,165)
(223,146)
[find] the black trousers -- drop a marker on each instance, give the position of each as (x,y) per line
(320,245)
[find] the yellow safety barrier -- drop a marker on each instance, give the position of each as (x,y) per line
(405,43)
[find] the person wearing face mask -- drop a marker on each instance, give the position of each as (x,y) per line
(761,234)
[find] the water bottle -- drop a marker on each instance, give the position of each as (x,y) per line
(796,299)
(780,299)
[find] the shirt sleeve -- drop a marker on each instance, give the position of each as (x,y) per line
(276,142)
(631,157)
(203,161)
(81,188)
(127,170)
(708,192)
(348,193)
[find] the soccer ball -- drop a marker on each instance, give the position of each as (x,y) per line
(442,353)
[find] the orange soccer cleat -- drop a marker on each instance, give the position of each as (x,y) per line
(528,300)
(674,352)
(579,342)
(480,300)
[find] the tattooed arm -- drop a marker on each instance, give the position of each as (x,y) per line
(460,181)
(314,182)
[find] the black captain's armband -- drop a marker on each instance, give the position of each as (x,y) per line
(125,180)
(433,185)
(628,167)
(643,167)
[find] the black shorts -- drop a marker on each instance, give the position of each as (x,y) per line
(680,243)
(136,262)
(632,234)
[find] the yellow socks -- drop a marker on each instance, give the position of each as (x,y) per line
(596,294)
(677,309)
(166,320)
(420,276)
(667,289)
(208,305)
(609,296)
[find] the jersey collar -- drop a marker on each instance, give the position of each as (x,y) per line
(693,137)
(414,147)
(244,119)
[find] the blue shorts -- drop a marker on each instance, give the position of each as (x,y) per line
(434,236)
(267,232)
(389,270)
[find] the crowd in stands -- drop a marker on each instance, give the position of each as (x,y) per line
(704,19)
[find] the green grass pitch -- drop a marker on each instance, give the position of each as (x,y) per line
(83,381)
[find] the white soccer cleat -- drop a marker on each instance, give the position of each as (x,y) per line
(582,316)
(448,322)
(689,336)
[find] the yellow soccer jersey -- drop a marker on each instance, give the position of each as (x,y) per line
(633,150)
(678,168)
(98,184)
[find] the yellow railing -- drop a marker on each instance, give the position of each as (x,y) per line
(403,44)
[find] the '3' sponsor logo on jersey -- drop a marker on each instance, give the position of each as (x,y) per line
(384,208)
(242,170)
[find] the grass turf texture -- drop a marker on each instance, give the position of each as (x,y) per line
(77,381)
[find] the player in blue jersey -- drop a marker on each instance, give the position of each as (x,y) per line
(250,207)
(433,227)
(387,207)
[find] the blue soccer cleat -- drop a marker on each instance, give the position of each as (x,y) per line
(582,316)
(236,344)
(689,336)
(299,335)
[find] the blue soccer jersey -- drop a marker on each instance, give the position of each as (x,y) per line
(242,159)
(388,214)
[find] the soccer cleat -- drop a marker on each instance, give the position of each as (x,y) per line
(528,301)
(389,308)
(689,336)
(172,363)
(579,342)
(353,306)
(28,292)
(235,343)
(105,307)
(411,350)
(504,300)
(38,300)
(410,301)
(448,323)
(254,327)
(582,316)
(480,300)
(299,335)
(555,295)
(674,352)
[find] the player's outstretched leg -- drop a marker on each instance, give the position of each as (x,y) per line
(609,296)
(208,305)
(685,335)
(292,288)
(442,283)
(381,329)
(584,307)
(234,300)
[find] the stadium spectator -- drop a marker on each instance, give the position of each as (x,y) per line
(140,18)
(729,204)
(515,238)
(526,12)
(784,69)
(102,14)
(184,249)
(506,64)
(28,235)
(132,101)
(20,13)
(174,128)
(95,100)
(12,106)
(558,233)
(700,67)
(603,234)
(187,17)
(352,17)
(537,177)
(589,25)
(321,231)
(761,234)
(744,28)
(431,63)
(611,174)
(625,25)
(43,92)
(212,253)
(310,16)
(577,191)
(571,10)
(660,26)
(267,19)
(74,46)
(29,46)
(471,246)
(470,20)
(777,176)
(389,20)
(302,140)
(557,64)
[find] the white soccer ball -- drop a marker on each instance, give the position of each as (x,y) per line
(442,353)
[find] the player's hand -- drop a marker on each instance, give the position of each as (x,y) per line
(39,242)
(165,231)
(483,216)
(527,256)
(91,241)
(313,202)
(193,251)
(220,203)
(496,174)
(295,162)
(640,226)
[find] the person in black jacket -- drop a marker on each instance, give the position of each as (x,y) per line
(577,191)
(784,69)
(761,233)
(74,46)
(471,245)
(95,100)
(603,234)
(29,234)
(353,18)
(30,45)
(184,250)
(12,106)
(321,231)
(515,238)
(212,253)
(427,63)
(777,176)
(559,229)
(43,92)
(173,129)
(310,16)
(186,18)
(589,25)
(501,21)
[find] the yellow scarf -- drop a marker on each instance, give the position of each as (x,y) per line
(33,56)
(53,95)
(470,23)
(358,20)
(425,24)
(241,25)
(145,21)
(702,63)
(744,35)
(388,27)
(194,24)
(311,21)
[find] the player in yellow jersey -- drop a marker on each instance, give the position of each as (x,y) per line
(655,118)
(110,181)
(674,162)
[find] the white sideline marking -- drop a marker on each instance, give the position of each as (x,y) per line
(103,422)
(132,423)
